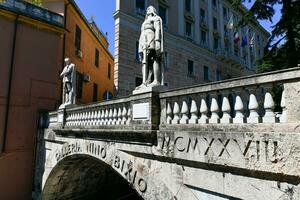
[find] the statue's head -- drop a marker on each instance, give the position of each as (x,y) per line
(67,61)
(151,11)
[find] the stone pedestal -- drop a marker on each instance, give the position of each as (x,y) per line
(145,109)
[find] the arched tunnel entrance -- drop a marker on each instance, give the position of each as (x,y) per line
(84,177)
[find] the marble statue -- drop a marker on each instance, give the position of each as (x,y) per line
(151,48)
(68,78)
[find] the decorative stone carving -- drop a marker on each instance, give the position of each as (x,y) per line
(68,76)
(151,48)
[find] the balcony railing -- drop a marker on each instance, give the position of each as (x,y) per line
(33,11)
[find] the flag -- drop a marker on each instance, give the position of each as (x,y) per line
(252,41)
(244,41)
(230,24)
(236,38)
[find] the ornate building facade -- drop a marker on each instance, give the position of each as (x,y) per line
(202,42)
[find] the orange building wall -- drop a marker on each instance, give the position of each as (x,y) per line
(35,87)
(86,64)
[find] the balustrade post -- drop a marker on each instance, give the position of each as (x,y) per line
(239,109)
(106,117)
(176,112)
(269,105)
(253,107)
(184,113)
(98,121)
(194,113)
(226,109)
(214,108)
(203,110)
(169,114)
(129,118)
(110,117)
(124,115)
(115,115)
(119,121)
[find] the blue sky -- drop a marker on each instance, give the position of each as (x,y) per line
(103,10)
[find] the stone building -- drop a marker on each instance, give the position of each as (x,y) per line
(30,60)
(199,43)
(87,47)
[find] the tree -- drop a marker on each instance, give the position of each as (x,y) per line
(37,2)
(285,52)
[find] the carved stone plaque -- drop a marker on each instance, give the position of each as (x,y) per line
(140,111)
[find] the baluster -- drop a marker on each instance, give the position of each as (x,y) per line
(269,105)
(102,122)
(253,108)
(98,119)
(106,117)
(226,109)
(239,109)
(84,118)
(74,120)
(91,120)
(203,110)
(124,116)
(80,119)
(128,116)
(176,114)
(214,108)
(283,117)
(115,115)
(169,114)
(194,113)
(184,113)
(110,116)
(119,116)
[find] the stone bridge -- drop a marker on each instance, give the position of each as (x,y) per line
(234,139)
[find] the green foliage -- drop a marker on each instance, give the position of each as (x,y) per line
(285,52)
(37,2)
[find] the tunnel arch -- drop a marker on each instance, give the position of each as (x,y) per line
(86,177)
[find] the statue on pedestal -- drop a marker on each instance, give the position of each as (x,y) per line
(68,78)
(151,48)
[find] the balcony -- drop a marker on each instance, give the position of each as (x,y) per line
(30,10)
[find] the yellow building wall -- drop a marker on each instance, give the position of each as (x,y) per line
(86,64)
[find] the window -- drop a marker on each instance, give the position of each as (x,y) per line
(79,83)
(140,6)
(218,75)
(191,70)
(96,57)
(214,3)
(163,14)
(107,95)
(138,81)
(206,73)
(202,15)
(188,4)
(166,60)
(77,38)
(203,37)
(137,57)
(95,92)
(188,29)
(108,71)
(215,23)
(216,43)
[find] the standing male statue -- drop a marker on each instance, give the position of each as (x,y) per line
(68,79)
(151,48)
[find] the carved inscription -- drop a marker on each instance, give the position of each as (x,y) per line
(222,147)
(90,148)
(127,170)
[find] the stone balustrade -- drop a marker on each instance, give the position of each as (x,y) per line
(242,100)
(100,114)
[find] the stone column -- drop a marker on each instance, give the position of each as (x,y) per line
(221,23)
(197,22)
(181,9)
